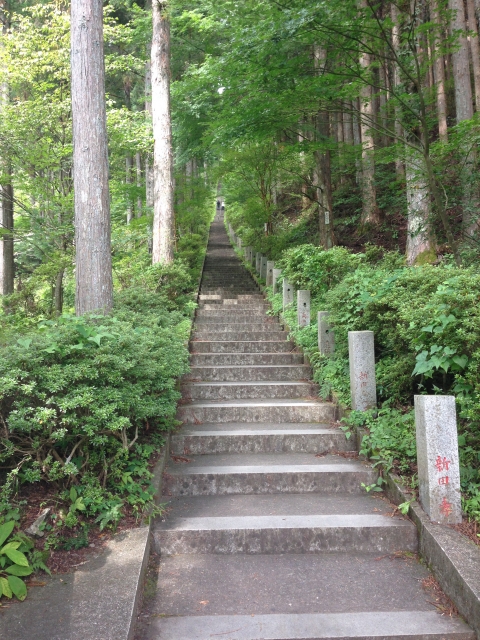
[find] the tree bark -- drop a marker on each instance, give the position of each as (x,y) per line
(439,72)
(461,63)
(148,112)
(420,244)
(93,272)
(474,50)
(164,220)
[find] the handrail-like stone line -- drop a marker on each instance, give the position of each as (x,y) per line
(267,515)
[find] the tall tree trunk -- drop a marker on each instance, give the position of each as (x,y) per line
(164,220)
(461,63)
(148,111)
(439,72)
(399,133)
(322,174)
(93,272)
(58,298)
(420,243)
(370,212)
(138,166)
(464,111)
(357,139)
(474,50)
(7,264)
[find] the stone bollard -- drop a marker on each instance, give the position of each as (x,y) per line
(303,308)
(287,293)
(437,458)
(275,276)
(263,268)
(239,243)
(326,337)
(258,262)
(361,355)
(247,252)
(270,265)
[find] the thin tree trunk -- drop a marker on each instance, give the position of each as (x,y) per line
(399,133)
(474,50)
(439,70)
(357,139)
(129,182)
(370,213)
(59,293)
(138,166)
(7,264)
(164,220)
(93,272)
(7,248)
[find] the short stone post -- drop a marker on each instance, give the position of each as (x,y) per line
(239,243)
(275,277)
(363,387)
(258,262)
(437,458)
(263,268)
(287,293)
(270,265)
(326,337)
(303,308)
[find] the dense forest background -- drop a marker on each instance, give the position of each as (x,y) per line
(343,139)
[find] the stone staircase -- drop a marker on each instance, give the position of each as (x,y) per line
(269,534)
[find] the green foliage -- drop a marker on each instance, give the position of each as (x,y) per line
(13,562)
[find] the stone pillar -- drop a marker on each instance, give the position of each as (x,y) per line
(326,337)
(239,242)
(361,355)
(258,262)
(303,308)
(270,265)
(263,268)
(275,276)
(437,458)
(287,293)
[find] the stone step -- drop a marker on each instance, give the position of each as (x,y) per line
(326,596)
(230,315)
(391,625)
(224,359)
(266,473)
(221,307)
(241,336)
(259,438)
(245,373)
(256,411)
(242,346)
(247,390)
(233,321)
(262,534)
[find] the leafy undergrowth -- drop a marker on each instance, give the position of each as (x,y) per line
(85,404)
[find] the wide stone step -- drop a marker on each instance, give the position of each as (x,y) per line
(212,327)
(247,390)
(242,307)
(259,438)
(245,373)
(232,321)
(242,346)
(236,359)
(347,595)
(241,336)
(266,473)
(286,533)
(391,625)
(295,410)
(234,315)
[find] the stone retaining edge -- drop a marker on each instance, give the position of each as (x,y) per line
(453,559)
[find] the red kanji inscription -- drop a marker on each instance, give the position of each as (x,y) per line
(446,507)
(442,464)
